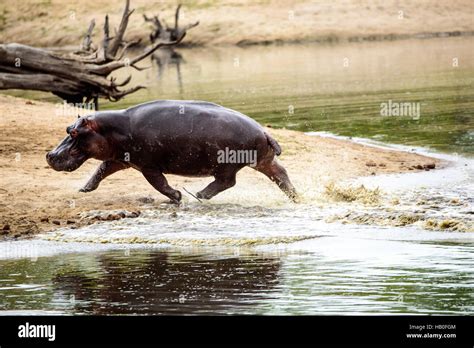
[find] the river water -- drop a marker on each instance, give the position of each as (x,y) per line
(319,257)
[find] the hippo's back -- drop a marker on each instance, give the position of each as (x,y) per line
(194,119)
(186,137)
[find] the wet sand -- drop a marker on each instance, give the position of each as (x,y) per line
(35,198)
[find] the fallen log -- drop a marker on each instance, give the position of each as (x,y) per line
(80,76)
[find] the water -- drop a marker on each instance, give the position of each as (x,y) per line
(227,258)
(334,88)
(357,274)
(358,271)
(230,256)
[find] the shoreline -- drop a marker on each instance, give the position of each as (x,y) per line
(423,151)
(324,40)
(34,198)
(351,39)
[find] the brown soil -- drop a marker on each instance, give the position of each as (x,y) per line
(64,22)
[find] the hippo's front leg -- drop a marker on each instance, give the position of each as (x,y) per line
(159,182)
(104,170)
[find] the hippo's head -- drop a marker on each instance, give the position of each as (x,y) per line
(83,142)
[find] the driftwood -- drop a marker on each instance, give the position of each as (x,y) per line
(76,76)
(165,32)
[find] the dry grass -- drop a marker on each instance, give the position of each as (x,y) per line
(448,224)
(352,194)
(63,22)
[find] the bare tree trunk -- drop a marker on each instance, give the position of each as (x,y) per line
(167,33)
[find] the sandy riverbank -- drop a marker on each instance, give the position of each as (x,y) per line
(34,197)
(61,23)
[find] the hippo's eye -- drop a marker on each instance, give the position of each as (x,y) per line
(73,133)
(82,122)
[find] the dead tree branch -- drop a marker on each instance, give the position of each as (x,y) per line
(165,32)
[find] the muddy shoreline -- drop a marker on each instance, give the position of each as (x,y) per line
(34,198)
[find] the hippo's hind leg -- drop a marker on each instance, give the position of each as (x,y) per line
(223,180)
(278,174)
(104,170)
(159,182)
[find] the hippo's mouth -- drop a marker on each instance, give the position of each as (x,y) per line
(66,157)
(65,165)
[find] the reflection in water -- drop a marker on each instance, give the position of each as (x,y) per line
(328,275)
(143,282)
(164,59)
(157,283)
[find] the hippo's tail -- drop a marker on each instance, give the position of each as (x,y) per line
(273,143)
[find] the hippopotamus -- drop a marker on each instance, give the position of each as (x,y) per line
(188,138)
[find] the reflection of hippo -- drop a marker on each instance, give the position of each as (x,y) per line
(157,284)
(176,137)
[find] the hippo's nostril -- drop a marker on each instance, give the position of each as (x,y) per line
(49,156)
